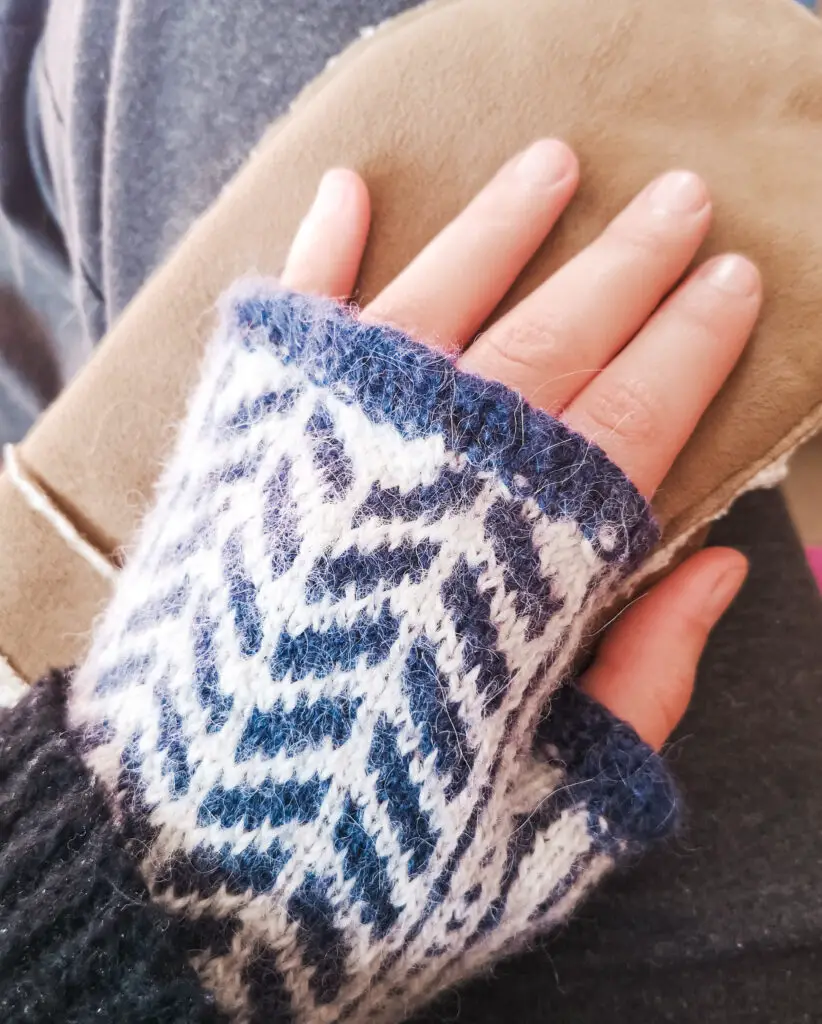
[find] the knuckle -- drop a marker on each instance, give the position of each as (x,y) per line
(637,238)
(527,345)
(696,320)
(627,409)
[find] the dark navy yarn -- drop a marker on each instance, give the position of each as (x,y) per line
(520,844)
(273,802)
(401,795)
(396,380)
(131,792)
(450,492)
(361,862)
(564,886)
(613,773)
(512,537)
(437,718)
(208,933)
(473,894)
(81,940)
(364,571)
(323,943)
(267,990)
(205,869)
(471,613)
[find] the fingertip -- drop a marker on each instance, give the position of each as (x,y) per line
(546,162)
(677,192)
(325,255)
(340,186)
(343,198)
(722,582)
(732,274)
(352,184)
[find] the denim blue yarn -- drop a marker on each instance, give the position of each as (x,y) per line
(200,537)
(306,725)
(171,740)
(320,652)
(437,718)
(273,802)
(230,472)
(127,672)
(251,413)
(280,520)
(206,675)
(242,598)
(330,456)
(170,605)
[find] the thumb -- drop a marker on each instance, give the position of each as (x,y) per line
(645,668)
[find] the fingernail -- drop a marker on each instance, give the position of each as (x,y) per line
(733,274)
(724,590)
(679,192)
(331,192)
(547,162)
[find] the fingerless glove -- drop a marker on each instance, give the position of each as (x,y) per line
(326,701)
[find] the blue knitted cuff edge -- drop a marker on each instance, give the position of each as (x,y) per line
(396,379)
(610,770)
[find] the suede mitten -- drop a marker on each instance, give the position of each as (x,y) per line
(325,700)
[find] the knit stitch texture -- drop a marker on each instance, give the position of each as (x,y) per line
(325,697)
(80,941)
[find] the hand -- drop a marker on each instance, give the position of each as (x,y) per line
(604,344)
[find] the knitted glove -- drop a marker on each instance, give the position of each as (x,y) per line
(320,697)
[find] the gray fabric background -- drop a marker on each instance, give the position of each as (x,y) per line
(120,121)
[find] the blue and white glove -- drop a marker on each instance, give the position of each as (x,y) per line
(326,699)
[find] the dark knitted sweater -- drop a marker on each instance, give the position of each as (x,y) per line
(80,940)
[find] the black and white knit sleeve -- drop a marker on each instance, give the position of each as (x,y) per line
(81,942)
(327,700)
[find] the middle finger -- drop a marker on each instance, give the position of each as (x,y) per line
(560,336)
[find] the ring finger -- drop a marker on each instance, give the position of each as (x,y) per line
(644,406)
(561,335)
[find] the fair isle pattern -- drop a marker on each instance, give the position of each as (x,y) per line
(319,696)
